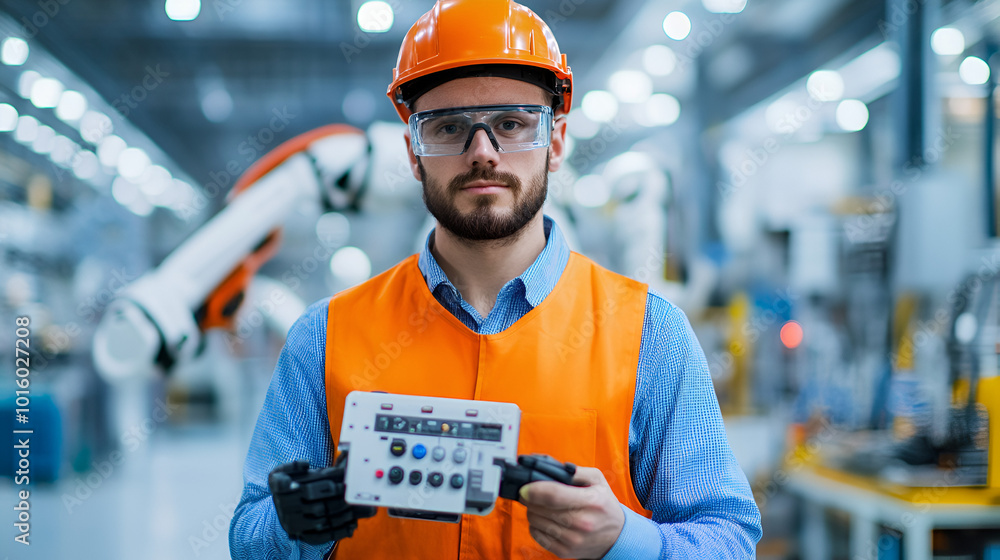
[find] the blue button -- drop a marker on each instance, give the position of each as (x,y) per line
(419,451)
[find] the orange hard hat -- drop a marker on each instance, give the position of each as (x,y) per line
(463,38)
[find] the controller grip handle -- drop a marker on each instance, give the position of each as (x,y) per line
(533,468)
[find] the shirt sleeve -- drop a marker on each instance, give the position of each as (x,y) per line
(683,469)
(292,425)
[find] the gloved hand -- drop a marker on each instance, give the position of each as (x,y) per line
(310,502)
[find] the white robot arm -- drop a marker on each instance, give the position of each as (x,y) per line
(159,319)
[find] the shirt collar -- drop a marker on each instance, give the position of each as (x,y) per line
(538,280)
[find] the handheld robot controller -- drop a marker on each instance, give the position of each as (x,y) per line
(420,457)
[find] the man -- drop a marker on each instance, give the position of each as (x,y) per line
(607,374)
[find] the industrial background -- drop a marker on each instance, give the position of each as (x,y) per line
(813,183)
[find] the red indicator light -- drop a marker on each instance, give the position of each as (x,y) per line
(791,334)
(379,473)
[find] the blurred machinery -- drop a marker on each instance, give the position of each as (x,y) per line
(946,409)
(919,372)
(903,433)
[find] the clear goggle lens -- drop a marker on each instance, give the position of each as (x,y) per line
(510,128)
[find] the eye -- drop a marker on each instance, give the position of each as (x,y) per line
(509,126)
(445,129)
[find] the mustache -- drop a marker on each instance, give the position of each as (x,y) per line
(485,174)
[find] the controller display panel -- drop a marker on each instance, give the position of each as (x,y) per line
(443,428)
(426,457)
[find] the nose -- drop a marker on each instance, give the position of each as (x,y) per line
(481,150)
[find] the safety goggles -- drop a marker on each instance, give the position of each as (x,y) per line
(510,128)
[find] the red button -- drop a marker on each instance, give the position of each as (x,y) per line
(379,473)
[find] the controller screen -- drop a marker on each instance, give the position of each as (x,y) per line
(438,427)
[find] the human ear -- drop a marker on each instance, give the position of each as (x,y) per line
(557,147)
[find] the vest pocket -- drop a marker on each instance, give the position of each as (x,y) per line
(568,437)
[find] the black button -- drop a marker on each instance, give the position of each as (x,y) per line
(435,479)
(457,481)
(398,447)
(416,477)
(395,475)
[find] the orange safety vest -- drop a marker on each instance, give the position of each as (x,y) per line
(569,364)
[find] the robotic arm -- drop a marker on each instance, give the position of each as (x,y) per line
(158,320)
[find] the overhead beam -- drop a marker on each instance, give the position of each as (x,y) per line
(786,63)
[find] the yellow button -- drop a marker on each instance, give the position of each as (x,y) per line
(445,427)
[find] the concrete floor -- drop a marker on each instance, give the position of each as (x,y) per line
(168,499)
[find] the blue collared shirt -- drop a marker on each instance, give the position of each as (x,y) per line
(683,469)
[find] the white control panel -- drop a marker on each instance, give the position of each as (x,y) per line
(426,457)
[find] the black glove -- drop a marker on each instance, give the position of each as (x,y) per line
(310,502)
(531,468)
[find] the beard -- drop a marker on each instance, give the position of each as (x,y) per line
(485,222)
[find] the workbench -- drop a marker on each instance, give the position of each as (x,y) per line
(870,507)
